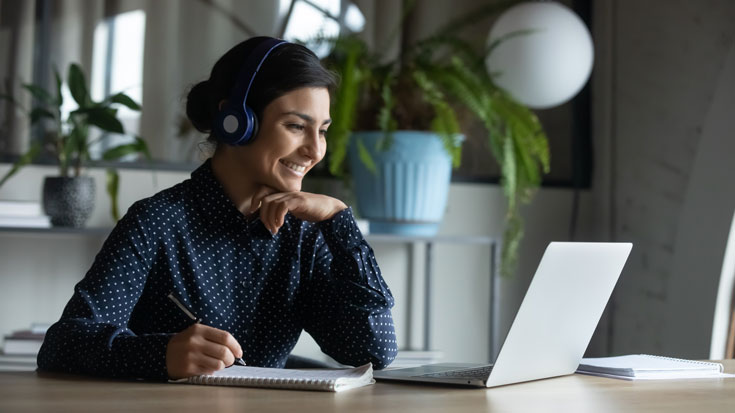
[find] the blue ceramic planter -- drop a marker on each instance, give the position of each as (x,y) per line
(408,194)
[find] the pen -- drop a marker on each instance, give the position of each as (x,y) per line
(239,361)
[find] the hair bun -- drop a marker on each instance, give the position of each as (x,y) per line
(198,107)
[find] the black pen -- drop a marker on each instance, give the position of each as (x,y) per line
(239,361)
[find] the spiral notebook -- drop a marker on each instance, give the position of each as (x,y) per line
(648,367)
(335,380)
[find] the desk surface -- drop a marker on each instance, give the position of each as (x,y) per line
(30,391)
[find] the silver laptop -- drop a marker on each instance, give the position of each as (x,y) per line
(554,324)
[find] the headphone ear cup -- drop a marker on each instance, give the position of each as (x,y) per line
(230,126)
(251,126)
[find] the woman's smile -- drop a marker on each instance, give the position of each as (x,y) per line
(295,168)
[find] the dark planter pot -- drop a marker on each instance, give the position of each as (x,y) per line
(68,201)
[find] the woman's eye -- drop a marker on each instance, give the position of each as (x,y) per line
(296,126)
(322,132)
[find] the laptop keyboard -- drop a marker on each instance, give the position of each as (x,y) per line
(473,373)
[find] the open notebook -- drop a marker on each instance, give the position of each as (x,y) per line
(648,367)
(317,379)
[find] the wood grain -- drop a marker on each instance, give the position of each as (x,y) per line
(36,392)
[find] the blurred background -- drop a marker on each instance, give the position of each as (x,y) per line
(641,153)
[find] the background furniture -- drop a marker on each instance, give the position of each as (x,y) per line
(429,242)
(723,324)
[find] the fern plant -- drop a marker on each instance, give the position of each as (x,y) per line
(69,141)
(428,88)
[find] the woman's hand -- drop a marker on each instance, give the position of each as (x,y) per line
(200,349)
(303,205)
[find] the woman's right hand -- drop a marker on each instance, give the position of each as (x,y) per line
(199,350)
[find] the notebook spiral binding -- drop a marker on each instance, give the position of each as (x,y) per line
(702,363)
(262,382)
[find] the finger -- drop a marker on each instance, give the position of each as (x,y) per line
(214,335)
(278,209)
(208,364)
(269,210)
(282,207)
(224,338)
(257,199)
(219,352)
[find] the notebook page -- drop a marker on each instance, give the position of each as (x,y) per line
(290,374)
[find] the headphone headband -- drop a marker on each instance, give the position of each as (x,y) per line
(236,123)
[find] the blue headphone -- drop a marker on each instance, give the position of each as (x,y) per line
(236,123)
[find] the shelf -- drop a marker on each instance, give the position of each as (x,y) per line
(389,238)
(428,241)
(456,239)
(58,230)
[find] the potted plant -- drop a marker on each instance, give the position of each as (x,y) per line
(423,92)
(68,198)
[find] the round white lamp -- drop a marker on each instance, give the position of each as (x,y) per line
(548,62)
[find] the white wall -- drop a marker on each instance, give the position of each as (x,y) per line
(671,138)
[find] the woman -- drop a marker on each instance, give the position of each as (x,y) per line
(239,244)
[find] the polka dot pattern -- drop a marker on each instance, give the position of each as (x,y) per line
(231,272)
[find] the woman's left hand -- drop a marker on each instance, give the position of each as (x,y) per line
(303,205)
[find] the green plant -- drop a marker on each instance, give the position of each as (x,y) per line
(69,141)
(440,79)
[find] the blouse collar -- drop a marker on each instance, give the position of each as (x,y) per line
(217,206)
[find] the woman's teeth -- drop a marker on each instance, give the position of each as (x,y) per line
(295,167)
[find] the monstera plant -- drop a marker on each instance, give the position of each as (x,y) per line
(69,197)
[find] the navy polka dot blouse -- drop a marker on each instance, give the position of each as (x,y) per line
(232,273)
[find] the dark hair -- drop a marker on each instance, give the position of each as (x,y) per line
(288,67)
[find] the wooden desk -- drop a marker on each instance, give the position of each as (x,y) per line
(32,392)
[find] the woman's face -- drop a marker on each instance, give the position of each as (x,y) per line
(290,140)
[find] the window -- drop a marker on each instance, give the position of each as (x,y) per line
(308,19)
(117,66)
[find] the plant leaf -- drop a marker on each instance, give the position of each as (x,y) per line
(345,102)
(24,160)
(78,86)
(137,147)
(40,113)
(125,100)
(105,119)
(113,186)
(39,93)
(366,158)
(59,96)
(508,171)
(512,237)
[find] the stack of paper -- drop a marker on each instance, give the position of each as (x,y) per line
(23,214)
(21,347)
(648,367)
(25,342)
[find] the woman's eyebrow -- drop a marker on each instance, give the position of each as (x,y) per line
(306,117)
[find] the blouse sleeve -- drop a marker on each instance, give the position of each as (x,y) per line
(92,335)
(348,302)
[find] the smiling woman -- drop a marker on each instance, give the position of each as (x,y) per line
(256,259)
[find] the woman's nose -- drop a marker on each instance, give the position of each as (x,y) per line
(312,146)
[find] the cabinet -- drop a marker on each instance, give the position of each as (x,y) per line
(429,244)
